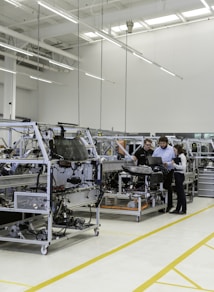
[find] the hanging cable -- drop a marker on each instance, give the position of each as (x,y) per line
(101,71)
(38,40)
(78,66)
(126,80)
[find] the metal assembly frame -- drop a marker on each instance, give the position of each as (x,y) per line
(42,187)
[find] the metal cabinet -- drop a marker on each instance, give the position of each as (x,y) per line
(206,182)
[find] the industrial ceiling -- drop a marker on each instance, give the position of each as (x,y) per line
(43,28)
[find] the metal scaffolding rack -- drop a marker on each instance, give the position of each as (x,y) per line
(43,188)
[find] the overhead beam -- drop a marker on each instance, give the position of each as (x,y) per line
(35,42)
(138,12)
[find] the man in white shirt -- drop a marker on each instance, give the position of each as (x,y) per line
(166,152)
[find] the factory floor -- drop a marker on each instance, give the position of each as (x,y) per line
(162,252)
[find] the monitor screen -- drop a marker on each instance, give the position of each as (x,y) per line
(70,149)
(152,161)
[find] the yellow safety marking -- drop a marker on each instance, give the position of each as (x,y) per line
(183,286)
(187,279)
(174,263)
(14,283)
(109,253)
(212,247)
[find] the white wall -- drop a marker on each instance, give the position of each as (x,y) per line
(57,103)
(26,104)
(156,101)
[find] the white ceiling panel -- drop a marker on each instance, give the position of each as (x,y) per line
(30,26)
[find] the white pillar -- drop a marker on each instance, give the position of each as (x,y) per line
(9,101)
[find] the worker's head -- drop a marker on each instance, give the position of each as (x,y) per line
(147,144)
(163,142)
(178,149)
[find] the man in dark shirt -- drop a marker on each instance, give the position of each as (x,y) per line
(141,154)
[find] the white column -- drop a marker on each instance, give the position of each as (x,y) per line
(9,101)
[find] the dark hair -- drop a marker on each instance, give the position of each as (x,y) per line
(147,140)
(163,139)
(179,148)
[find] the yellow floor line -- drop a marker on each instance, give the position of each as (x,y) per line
(14,283)
(104,255)
(185,287)
(187,279)
(210,246)
(174,263)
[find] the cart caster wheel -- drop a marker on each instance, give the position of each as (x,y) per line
(44,250)
(96,232)
(138,219)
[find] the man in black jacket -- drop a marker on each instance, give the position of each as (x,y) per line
(143,152)
(140,156)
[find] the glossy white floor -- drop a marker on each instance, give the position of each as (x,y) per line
(163,252)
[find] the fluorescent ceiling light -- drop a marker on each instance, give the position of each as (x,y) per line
(16,49)
(61,65)
(162,68)
(94,76)
(163,19)
(13,2)
(123,27)
(119,28)
(105,31)
(205,4)
(90,34)
(145,25)
(108,39)
(196,12)
(137,25)
(57,11)
(167,71)
(181,17)
(6,70)
(141,57)
(40,79)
